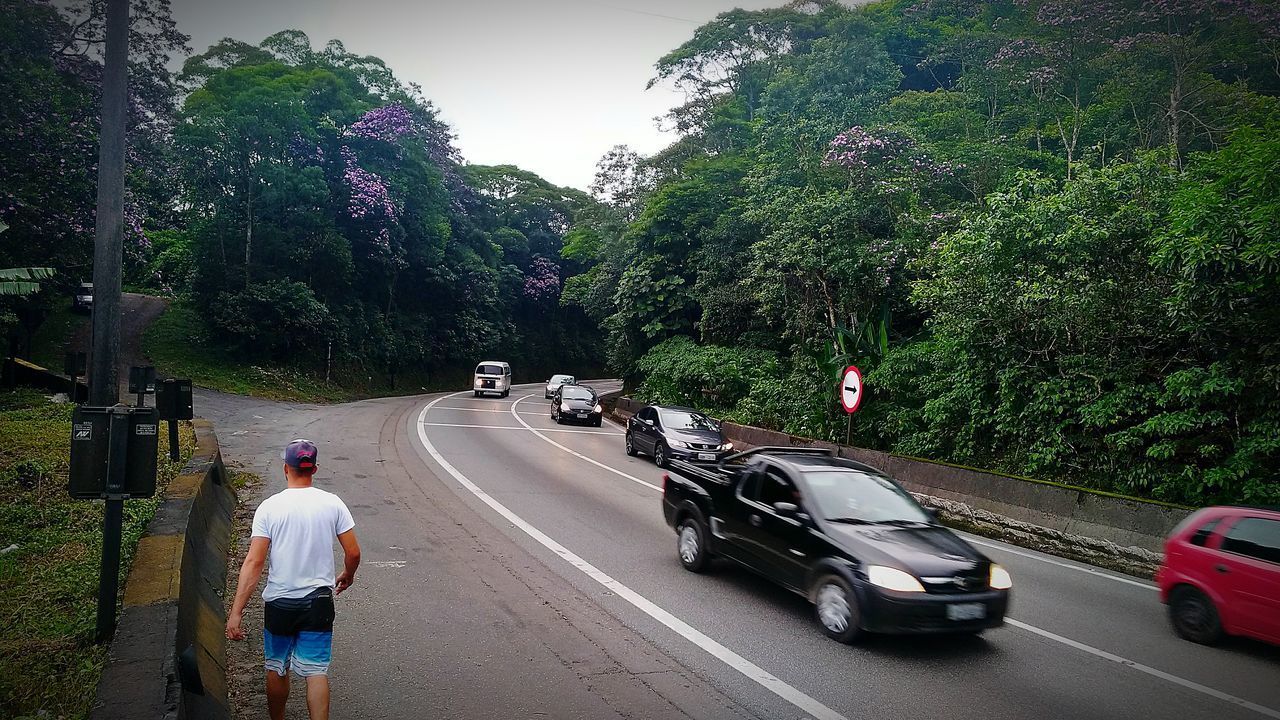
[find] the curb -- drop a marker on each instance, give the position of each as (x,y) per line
(169,657)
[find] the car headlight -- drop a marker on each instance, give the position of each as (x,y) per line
(1000,579)
(599,409)
(726,446)
(479,382)
(679,444)
(564,407)
(893,579)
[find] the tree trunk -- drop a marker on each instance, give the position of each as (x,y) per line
(248,233)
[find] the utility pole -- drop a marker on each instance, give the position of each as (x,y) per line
(108,248)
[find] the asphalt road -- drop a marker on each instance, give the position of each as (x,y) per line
(515,568)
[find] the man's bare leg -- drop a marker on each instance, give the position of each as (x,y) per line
(318,697)
(277,694)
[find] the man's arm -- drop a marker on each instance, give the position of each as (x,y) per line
(250,571)
(350,560)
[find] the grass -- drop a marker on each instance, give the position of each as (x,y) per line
(49,666)
(179,344)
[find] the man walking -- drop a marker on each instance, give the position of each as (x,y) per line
(296,528)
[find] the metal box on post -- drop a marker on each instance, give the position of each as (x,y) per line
(142,380)
(173,399)
(91,450)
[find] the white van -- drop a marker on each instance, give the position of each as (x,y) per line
(493,376)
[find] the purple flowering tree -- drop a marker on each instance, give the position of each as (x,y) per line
(388,124)
(542,281)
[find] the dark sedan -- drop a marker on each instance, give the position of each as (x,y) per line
(576,403)
(842,534)
(669,433)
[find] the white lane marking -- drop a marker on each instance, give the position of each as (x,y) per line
(752,671)
(488,410)
(1189,684)
(388,563)
(1183,682)
(579,455)
(509,427)
(516,414)
(1070,566)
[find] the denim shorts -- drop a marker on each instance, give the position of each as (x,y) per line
(298,634)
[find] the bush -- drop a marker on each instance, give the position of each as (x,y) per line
(710,377)
(273,320)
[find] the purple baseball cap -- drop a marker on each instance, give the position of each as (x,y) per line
(300,454)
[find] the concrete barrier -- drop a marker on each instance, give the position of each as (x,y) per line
(1122,532)
(168,659)
(21,372)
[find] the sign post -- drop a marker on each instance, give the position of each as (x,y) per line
(113,458)
(142,382)
(850,398)
(75,364)
(173,400)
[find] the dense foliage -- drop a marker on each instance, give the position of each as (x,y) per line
(329,209)
(309,206)
(1047,230)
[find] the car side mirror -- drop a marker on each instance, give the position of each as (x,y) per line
(649,423)
(786,508)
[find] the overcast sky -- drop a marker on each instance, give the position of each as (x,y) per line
(548,85)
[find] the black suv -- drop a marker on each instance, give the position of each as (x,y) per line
(676,433)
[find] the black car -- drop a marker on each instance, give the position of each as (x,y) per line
(843,534)
(678,433)
(82,298)
(576,403)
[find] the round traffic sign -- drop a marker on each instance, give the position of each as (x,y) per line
(851,389)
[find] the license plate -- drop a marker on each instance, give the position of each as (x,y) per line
(706,456)
(582,415)
(966,611)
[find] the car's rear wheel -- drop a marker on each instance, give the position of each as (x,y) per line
(1194,616)
(631,445)
(691,545)
(836,608)
(660,455)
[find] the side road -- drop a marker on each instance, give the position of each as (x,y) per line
(448,618)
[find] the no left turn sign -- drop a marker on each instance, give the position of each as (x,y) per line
(851,389)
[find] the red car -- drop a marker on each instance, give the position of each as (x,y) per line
(1221,575)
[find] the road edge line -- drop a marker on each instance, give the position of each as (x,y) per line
(575,453)
(735,661)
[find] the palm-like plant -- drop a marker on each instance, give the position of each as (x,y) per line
(21,281)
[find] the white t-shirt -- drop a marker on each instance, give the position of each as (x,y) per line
(301,524)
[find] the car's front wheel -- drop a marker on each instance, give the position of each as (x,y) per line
(836,608)
(1194,616)
(660,455)
(691,545)
(631,445)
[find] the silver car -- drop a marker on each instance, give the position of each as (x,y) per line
(556,381)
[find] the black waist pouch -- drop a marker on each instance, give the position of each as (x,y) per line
(290,616)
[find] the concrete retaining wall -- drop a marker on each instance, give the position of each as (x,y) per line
(21,372)
(168,659)
(1122,532)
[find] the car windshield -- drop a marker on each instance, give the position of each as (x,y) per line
(681,420)
(855,496)
(561,379)
(488,369)
(576,393)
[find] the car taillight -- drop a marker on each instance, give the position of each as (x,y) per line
(665,480)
